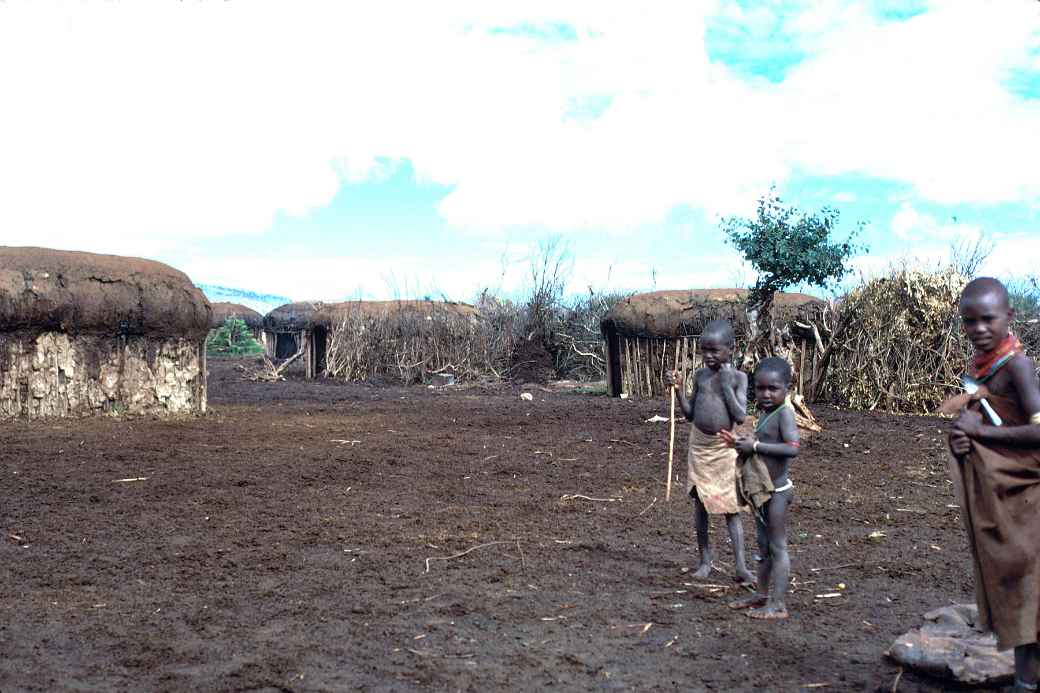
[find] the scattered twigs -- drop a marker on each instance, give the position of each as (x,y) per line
(578,496)
(274,373)
(129,480)
(837,567)
(647,508)
(463,553)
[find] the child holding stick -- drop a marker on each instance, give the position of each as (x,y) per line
(764,485)
(718,403)
(996,471)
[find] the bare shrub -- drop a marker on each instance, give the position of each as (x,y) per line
(578,347)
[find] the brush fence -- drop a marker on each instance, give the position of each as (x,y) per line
(903,349)
(647,335)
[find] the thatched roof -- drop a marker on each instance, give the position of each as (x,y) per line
(223,310)
(306,315)
(670,314)
(45,290)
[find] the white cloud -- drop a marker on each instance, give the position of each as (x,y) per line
(140,125)
(1014,255)
(909,224)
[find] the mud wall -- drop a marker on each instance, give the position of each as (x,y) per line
(56,374)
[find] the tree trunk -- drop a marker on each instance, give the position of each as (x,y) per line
(761,341)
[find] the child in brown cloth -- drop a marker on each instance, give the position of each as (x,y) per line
(996,471)
(718,403)
(763,481)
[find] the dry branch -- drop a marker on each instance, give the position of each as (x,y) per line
(463,553)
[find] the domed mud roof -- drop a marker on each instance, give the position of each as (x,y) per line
(223,310)
(292,317)
(43,290)
(670,314)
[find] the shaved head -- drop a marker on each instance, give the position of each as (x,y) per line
(774,366)
(720,330)
(983,288)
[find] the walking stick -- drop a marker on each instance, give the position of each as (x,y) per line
(671,447)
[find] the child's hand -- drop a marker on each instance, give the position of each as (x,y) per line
(745,445)
(960,444)
(728,376)
(727,437)
(671,379)
(969,423)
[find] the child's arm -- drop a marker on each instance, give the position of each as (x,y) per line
(686,405)
(1023,377)
(788,446)
(734,392)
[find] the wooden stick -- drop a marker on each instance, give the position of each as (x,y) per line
(671,448)
(462,553)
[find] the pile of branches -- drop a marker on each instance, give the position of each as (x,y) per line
(409,346)
(575,339)
(903,349)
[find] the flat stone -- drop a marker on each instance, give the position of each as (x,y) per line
(950,645)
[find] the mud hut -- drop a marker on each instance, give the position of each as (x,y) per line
(649,334)
(306,328)
(287,328)
(84,334)
(253,320)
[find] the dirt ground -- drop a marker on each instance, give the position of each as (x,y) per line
(295,539)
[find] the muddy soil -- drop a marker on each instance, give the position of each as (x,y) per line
(324,537)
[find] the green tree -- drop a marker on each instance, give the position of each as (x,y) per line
(788,247)
(233,338)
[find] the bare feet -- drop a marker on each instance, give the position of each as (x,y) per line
(769,613)
(704,570)
(744,577)
(748,602)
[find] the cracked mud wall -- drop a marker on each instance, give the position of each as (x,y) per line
(55,374)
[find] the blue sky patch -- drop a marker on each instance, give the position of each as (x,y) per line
(1024,83)
(756,45)
(588,107)
(900,10)
(549,31)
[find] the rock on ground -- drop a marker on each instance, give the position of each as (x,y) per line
(950,645)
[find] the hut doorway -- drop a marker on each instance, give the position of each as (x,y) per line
(320,340)
(286,345)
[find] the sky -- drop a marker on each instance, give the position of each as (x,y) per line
(330,150)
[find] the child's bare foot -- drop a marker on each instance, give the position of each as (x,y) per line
(704,570)
(744,577)
(748,602)
(769,612)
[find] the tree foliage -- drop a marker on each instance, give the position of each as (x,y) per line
(789,246)
(233,338)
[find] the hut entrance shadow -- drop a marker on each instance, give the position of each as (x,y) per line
(286,345)
(319,343)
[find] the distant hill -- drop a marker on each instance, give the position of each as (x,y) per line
(261,303)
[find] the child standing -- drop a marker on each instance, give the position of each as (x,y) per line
(764,484)
(996,471)
(718,403)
